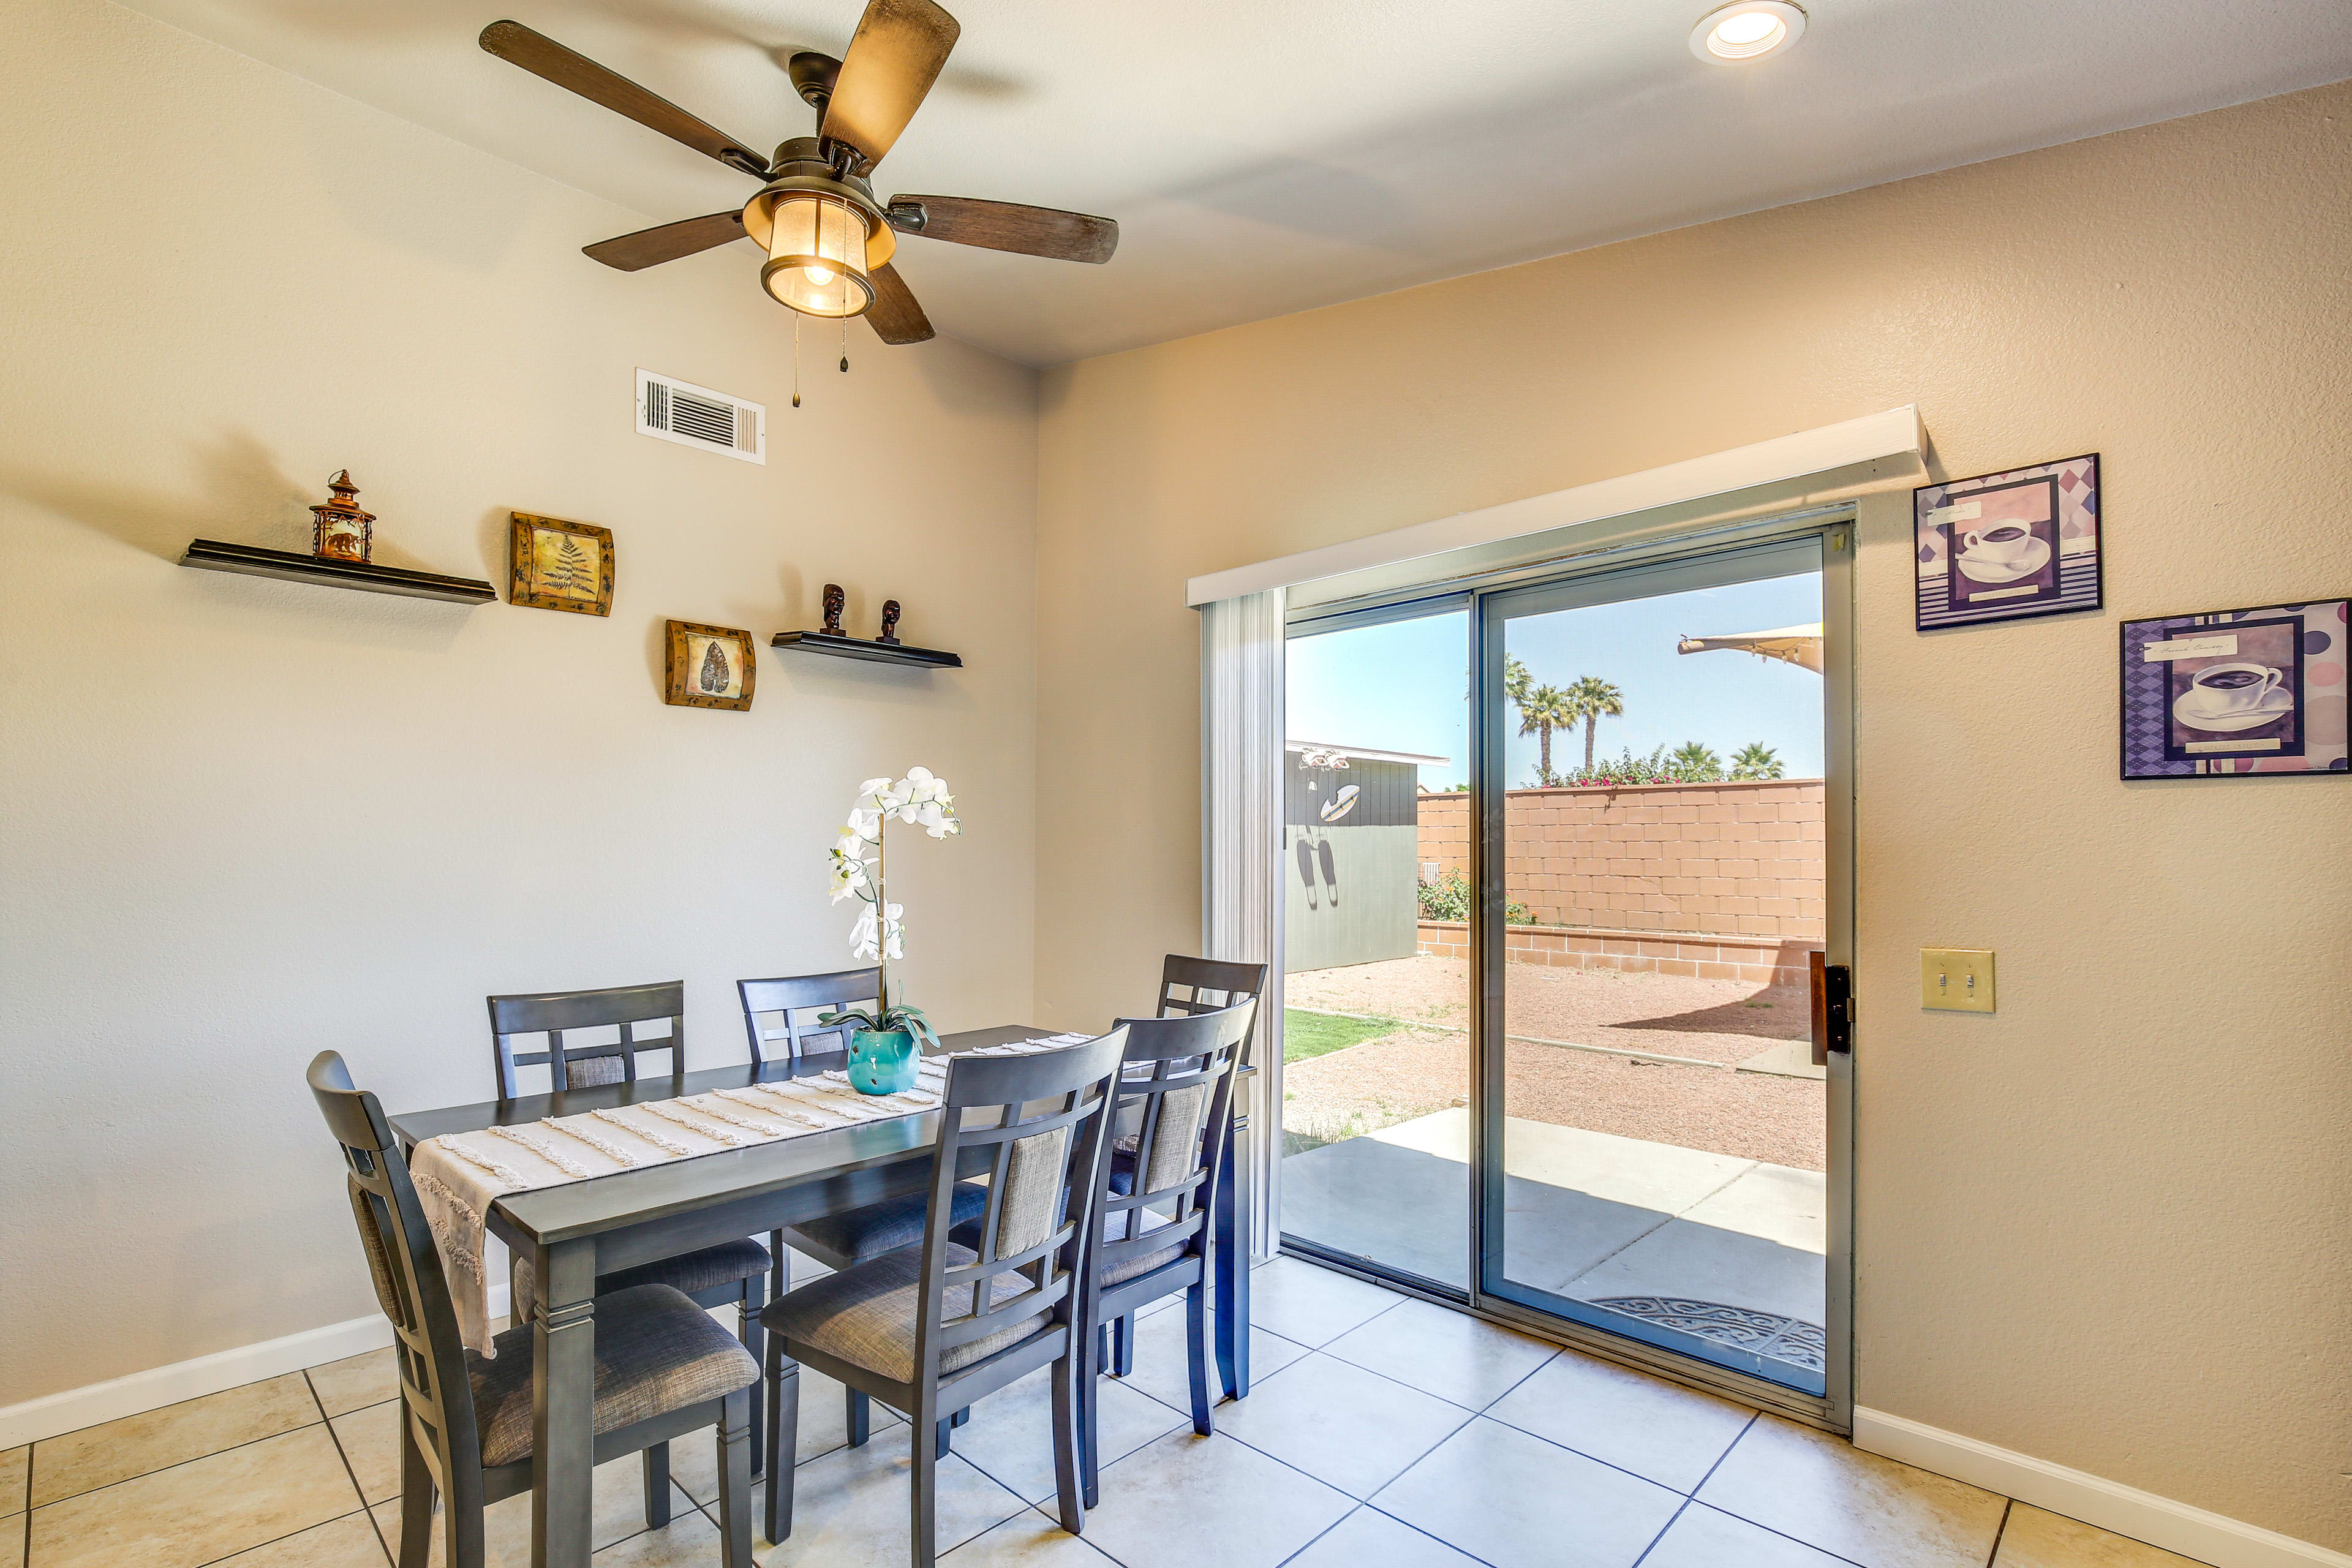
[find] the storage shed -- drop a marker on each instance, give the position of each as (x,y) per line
(1351,830)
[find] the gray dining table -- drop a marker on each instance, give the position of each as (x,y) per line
(582,1230)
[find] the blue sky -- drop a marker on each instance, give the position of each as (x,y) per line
(1400,687)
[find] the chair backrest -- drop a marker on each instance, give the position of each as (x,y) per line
(437,1394)
(571,1066)
(1190,985)
(1043,1117)
(1178,1075)
(786,1009)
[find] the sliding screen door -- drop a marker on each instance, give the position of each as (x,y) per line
(1655,1149)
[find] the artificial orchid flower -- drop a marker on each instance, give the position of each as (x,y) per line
(919,799)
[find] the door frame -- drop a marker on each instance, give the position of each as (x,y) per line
(1833,526)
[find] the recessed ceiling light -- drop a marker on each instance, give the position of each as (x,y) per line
(1748,30)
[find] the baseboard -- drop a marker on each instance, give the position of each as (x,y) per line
(2175,1526)
(74,1408)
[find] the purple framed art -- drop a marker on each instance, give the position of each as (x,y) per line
(2001,546)
(2236,692)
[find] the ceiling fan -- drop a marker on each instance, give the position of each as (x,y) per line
(829,239)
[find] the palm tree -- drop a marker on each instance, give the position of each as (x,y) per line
(1755,761)
(1593,699)
(1695,763)
(1542,710)
(1516,681)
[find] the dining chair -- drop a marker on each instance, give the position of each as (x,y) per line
(663,1367)
(928,1330)
(1187,986)
(786,1009)
(731,1273)
(1175,1088)
(1207,985)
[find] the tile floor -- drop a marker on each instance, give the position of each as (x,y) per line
(1381,1433)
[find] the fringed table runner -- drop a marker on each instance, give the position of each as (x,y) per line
(459,1176)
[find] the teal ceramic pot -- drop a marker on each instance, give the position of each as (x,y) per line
(883,1064)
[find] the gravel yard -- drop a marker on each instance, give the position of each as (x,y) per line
(1411,1072)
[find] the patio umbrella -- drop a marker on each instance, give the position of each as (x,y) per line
(1791,645)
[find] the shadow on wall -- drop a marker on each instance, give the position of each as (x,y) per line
(239,492)
(1318,873)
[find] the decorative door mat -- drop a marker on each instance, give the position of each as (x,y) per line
(1790,1340)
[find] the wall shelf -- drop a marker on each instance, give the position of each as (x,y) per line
(252,560)
(841,647)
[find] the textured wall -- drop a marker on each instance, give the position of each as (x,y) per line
(2112,1224)
(1731,859)
(245,820)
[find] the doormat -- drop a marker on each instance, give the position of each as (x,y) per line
(1790,1340)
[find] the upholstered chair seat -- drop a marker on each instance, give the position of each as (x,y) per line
(859,1235)
(656,1352)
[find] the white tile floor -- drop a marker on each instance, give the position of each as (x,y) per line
(1381,1433)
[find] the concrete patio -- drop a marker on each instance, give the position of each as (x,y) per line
(1591,1215)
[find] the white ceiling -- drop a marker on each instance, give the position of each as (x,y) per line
(1266,156)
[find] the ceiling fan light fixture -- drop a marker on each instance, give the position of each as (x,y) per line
(817,259)
(1747,30)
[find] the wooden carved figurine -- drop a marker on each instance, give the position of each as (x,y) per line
(889,623)
(341,530)
(835,599)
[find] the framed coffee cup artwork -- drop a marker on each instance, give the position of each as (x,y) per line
(709,666)
(2236,692)
(2000,547)
(560,566)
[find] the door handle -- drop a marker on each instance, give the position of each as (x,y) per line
(1832,1009)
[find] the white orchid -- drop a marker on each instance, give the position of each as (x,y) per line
(862,936)
(921,800)
(849,876)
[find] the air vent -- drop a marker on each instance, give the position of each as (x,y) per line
(673,410)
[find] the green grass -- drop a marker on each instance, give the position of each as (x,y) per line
(1306,1034)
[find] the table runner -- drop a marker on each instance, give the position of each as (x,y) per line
(459,1176)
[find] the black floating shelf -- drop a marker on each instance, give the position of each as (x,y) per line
(841,647)
(212,556)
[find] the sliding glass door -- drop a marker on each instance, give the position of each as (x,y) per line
(1654,1153)
(1562,857)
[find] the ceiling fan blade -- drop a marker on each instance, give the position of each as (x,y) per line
(895,315)
(543,56)
(1006,226)
(652,246)
(890,63)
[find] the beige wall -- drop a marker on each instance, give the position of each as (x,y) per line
(247,820)
(2109,1225)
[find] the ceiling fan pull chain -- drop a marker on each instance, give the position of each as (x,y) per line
(796,359)
(844,345)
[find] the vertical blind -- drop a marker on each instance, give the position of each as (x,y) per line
(1240,830)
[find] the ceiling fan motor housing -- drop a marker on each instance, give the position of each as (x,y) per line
(799,165)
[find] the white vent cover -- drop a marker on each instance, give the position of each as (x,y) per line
(669,409)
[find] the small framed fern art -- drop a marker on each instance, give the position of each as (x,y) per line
(708,667)
(560,565)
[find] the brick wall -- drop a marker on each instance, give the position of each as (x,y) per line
(1721,859)
(1759,960)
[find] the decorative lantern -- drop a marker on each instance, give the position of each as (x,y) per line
(342,531)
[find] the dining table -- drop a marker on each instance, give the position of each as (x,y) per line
(582,1230)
